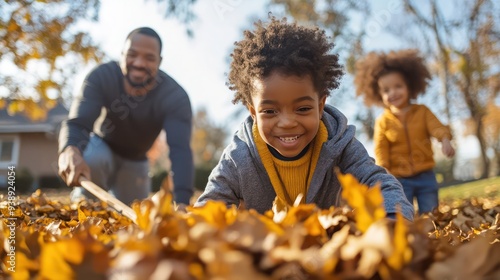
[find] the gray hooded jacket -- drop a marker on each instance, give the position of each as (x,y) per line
(240,173)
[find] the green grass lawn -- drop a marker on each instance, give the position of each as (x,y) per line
(486,188)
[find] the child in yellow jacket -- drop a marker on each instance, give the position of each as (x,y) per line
(403,132)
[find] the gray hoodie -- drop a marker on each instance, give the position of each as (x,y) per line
(240,173)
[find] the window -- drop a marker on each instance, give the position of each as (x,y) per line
(6,150)
(9,150)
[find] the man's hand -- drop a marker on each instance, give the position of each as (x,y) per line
(72,166)
(181,207)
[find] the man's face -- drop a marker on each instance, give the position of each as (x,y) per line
(140,60)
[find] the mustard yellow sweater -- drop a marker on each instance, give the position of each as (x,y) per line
(291,178)
(404,148)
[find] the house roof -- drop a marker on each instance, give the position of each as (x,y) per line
(19,123)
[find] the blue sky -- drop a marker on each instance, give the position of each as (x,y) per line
(199,63)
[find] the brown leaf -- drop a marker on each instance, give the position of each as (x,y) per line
(477,259)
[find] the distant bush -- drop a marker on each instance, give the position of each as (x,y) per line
(157,179)
(200,178)
(24,181)
(51,182)
(444,171)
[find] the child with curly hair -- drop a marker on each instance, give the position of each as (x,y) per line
(403,132)
(292,141)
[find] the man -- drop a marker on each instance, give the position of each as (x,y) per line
(115,119)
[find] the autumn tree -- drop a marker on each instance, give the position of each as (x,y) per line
(492,132)
(41,49)
(463,44)
(332,16)
(335,17)
(208,141)
(182,10)
(491,124)
(492,119)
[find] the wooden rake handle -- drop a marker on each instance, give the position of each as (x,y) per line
(109,199)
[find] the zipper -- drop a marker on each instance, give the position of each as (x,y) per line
(412,168)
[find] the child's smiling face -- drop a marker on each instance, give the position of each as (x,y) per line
(287,110)
(394,91)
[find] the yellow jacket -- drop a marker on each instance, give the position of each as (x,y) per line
(404,149)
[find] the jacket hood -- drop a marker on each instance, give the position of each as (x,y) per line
(340,134)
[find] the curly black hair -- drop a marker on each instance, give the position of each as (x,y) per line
(407,62)
(287,48)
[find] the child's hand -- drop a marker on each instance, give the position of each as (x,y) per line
(447,148)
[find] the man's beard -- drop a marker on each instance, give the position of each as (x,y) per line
(140,84)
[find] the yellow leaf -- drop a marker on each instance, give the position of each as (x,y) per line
(31,109)
(144,213)
(148,245)
(80,257)
(164,202)
(269,223)
(23,267)
(16,213)
(367,203)
(402,251)
(27,248)
(13,26)
(298,214)
(314,227)
(50,103)
(27,17)
(57,258)
(81,214)
(36,113)
(196,270)
(15,107)
(215,213)
(279,205)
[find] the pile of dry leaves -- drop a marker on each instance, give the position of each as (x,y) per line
(89,241)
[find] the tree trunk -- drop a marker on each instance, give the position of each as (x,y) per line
(477,116)
(444,60)
(497,156)
(483,146)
